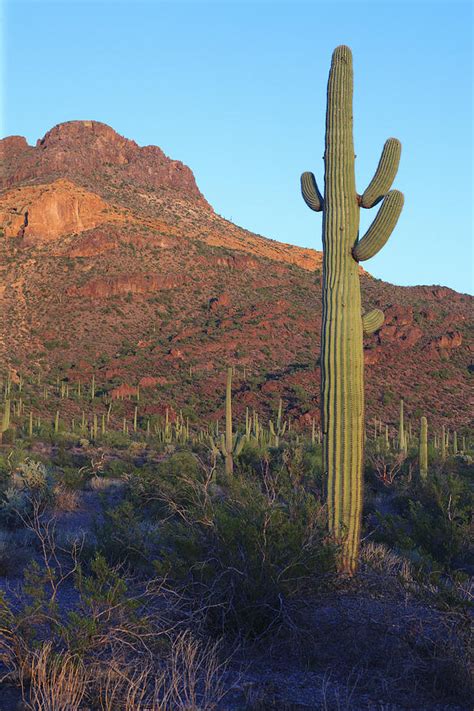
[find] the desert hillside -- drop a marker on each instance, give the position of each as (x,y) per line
(114,264)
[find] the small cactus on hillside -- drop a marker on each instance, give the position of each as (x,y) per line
(230,444)
(279,429)
(423,454)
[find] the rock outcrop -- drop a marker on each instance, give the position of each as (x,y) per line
(83,148)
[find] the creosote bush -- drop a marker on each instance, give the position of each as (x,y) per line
(245,547)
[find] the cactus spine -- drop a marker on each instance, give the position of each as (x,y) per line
(423,454)
(342,385)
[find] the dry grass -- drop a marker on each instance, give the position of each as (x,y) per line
(101,483)
(381,559)
(56,682)
(65,499)
(190,679)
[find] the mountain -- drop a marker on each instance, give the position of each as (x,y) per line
(114,263)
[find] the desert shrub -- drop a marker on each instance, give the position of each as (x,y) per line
(12,553)
(116,439)
(177,480)
(313,464)
(31,475)
(245,547)
(123,538)
(432,518)
(30,485)
(114,648)
(117,468)
(15,505)
(74,477)
(65,498)
(252,455)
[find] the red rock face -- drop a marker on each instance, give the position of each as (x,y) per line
(12,146)
(372,356)
(219,302)
(42,213)
(124,392)
(132,284)
(78,148)
(450,340)
(148,382)
(406,336)
(399,315)
(91,244)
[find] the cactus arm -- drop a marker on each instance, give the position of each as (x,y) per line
(223,446)
(310,192)
(239,445)
(384,175)
(372,321)
(381,228)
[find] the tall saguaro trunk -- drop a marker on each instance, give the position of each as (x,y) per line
(341,337)
(229,461)
(342,366)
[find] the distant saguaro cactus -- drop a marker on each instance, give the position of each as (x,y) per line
(231,444)
(5,418)
(343,325)
(423,454)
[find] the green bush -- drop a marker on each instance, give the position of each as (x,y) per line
(434,519)
(29,484)
(245,548)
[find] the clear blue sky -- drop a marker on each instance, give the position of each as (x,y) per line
(237,91)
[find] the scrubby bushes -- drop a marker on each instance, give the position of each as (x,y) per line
(116,647)
(242,545)
(180,554)
(28,484)
(429,520)
(246,549)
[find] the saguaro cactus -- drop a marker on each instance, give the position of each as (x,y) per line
(342,385)
(423,453)
(5,424)
(402,437)
(231,445)
(278,430)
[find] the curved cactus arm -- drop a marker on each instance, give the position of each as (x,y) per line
(213,446)
(372,321)
(384,175)
(224,449)
(239,444)
(310,192)
(381,228)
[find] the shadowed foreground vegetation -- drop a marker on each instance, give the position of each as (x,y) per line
(138,574)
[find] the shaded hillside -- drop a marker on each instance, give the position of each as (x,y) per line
(113,262)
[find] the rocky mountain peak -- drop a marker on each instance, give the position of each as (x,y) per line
(92,153)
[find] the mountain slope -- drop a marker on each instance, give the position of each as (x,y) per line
(113,262)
